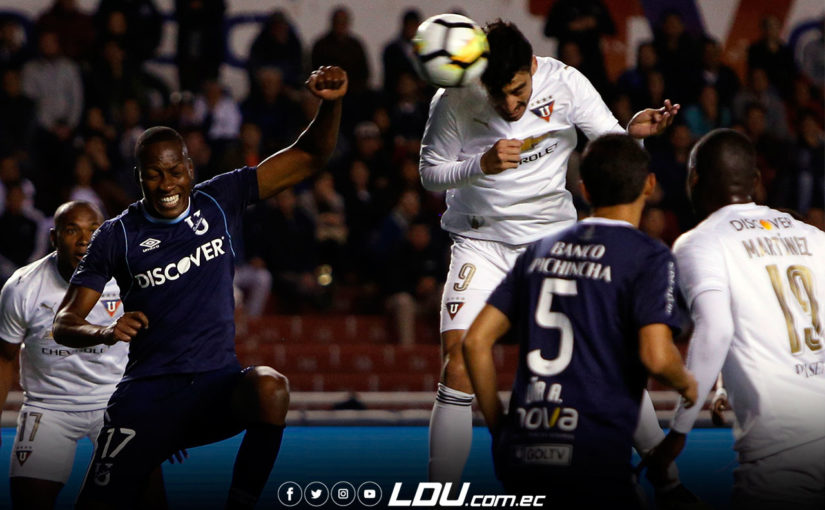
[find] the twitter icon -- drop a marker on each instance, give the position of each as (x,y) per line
(316,493)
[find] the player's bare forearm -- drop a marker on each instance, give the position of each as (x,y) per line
(8,369)
(477,348)
(663,361)
(310,153)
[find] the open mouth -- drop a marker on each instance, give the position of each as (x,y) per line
(170,201)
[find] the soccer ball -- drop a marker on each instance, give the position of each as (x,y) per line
(451,50)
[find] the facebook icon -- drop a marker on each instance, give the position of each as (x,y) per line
(289,494)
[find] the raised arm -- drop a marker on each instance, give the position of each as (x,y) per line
(487,328)
(72,330)
(309,154)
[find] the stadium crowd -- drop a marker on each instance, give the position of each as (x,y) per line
(363,236)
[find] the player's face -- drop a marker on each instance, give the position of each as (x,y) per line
(166,179)
(511,101)
(71,237)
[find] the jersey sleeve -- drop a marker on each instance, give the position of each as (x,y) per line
(235,190)
(12,312)
(589,113)
(440,168)
(105,250)
(701,265)
(654,291)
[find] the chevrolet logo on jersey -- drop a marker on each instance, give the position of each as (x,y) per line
(530,143)
(544,111)
(160,275)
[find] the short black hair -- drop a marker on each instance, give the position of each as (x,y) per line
(510,52)
(727,158)
(614,169)
(155,135)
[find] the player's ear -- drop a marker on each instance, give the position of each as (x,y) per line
(53,238)
(136,174)
(650,185)
(584,192)
(190,167)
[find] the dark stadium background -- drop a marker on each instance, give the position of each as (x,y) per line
(339,280)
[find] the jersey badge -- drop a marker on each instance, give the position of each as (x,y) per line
(103,473)
(453,308)
(149,244)
(544,111)
(23,456)
(197,223)
(111,306)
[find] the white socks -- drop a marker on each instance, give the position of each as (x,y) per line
(451,434)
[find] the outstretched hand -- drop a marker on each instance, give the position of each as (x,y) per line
(652,121)
(328,83)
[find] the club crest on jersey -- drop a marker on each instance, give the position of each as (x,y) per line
(103,473)
(111,306)
(453,308)
(544,111)
(149,244)
(23,456)
(197,224)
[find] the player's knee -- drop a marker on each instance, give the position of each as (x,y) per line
(272,388)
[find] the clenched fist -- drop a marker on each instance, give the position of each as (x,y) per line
(125,328)
(328,83)
(502,155)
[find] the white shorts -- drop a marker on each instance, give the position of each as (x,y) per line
(793,478)
(46,439)
(476,268)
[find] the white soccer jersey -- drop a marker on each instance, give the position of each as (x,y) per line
(54,376)
(773,268)
(517,204)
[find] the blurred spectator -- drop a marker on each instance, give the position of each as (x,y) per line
(411,280)
(10,175)
(200,41)
(327,210)
(82,189)
(772,152)
(17,114)
(113,80)
(15,49)
(773,55)
(394,226)
(19,227)
(282,235)
(246,151)
(277,45)
(75,30)
(53,82)
(278,116)
(129,130)
(801,186)
(399,57)
(339,47)
(802,101)
(655,89)
(409,112)
(759,91)
(362,214)
(583,22)
(136,24)
(716,74)
(678,57)
(201,153)
(255,282)
(96,124)
(708,114)
(812,58)
(217,113)
(669,163)
(633,82)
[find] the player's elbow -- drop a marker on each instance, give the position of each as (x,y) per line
(428,178)
(657,362)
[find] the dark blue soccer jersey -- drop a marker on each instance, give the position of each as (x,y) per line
(179,273)
(576,301)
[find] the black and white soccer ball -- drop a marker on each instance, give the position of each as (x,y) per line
(451,50)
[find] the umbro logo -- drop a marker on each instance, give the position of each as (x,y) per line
(149,244)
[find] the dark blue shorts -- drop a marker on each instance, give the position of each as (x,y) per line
(147,420)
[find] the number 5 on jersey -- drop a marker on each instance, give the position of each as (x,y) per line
(553,320)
